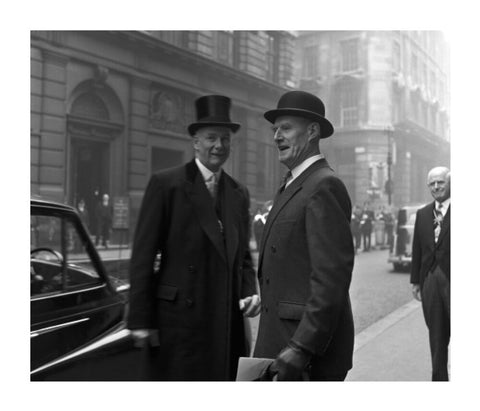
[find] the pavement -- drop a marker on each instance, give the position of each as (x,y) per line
(394,348)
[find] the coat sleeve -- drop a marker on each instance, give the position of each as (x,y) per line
(249,279)
(416,251)
(331,252)
(146,244)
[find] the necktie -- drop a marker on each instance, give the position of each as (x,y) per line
(437,220)
(286,179)
(212,185)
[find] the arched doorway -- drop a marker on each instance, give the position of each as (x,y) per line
(95,126)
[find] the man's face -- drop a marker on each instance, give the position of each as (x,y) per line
(291,136)
(212,146)
(439,184)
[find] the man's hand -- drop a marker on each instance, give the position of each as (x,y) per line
(144,336)
(416,292)
(290,364)
(250,305)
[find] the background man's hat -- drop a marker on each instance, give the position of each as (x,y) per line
(212,111)
(302,104)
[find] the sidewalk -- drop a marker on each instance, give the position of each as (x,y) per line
(394,348)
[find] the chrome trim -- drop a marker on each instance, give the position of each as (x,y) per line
(56,327)
(104,341)
(61,294)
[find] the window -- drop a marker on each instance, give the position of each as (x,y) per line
(59,260)
(396,57)
(423,74)
(349,52)
(224,46)
(397,107)
(270,52)
(433,84)
(414,68)
(310,61)
(349,105)
(177,38)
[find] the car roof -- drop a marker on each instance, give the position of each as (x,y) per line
(412,207)
(50,204)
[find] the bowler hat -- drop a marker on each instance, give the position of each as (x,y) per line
(212,111)
(302,104)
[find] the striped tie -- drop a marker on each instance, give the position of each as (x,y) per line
(437,220)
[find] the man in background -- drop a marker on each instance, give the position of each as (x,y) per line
(430,273)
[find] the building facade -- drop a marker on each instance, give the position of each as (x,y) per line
(108,109)
(387,94)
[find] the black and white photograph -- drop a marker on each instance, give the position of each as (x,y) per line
(212,207)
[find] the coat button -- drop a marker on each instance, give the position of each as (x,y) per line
(189,302)
(267,280)
(265,308)
(191,269)
(273,248)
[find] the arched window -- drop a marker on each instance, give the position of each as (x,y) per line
(91,106)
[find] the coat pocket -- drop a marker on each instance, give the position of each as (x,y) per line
(167,292)
(290,310)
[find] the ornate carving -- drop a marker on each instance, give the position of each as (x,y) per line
(101,74)
(166,112)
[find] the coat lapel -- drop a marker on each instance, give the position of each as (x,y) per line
(283,198)
(198,194)
(232,198)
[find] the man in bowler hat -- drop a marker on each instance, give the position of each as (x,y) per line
(430,272)
(306,254)
(194,219)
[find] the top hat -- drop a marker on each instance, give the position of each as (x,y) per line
(302,104)
(212,111)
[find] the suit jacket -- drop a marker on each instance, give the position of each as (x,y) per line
(426,254)
(192,299)
(305,269)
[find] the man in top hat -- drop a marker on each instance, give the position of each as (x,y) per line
(306,253)
(193,226)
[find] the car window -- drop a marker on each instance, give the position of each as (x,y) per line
(59,258)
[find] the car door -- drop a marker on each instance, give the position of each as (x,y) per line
(72,302)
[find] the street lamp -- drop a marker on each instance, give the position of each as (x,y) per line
(389,182)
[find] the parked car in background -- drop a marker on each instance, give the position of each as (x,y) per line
(401,250)
(78,329)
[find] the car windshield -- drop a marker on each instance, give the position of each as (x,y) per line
(59,259)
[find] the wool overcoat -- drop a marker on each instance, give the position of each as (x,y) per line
(305,268)
(192,296)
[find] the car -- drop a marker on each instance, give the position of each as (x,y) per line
(401,251)
(78,328)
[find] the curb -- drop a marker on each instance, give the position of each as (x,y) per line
(373,331)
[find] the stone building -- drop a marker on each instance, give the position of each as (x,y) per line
(110,108)
(387,94)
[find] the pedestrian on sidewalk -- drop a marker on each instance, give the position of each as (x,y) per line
(366,225)
(355,226)
(196,218)
(306,256)
(104,214)
(430,275)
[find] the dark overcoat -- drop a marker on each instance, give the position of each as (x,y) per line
(305,268)
(426,254)
(192,299)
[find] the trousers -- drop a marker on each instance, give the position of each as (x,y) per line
(436,310)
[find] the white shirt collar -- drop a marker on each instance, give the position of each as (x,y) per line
(445,205)
(303,166)
(206,173)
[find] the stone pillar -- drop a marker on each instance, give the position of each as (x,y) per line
(50,110)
